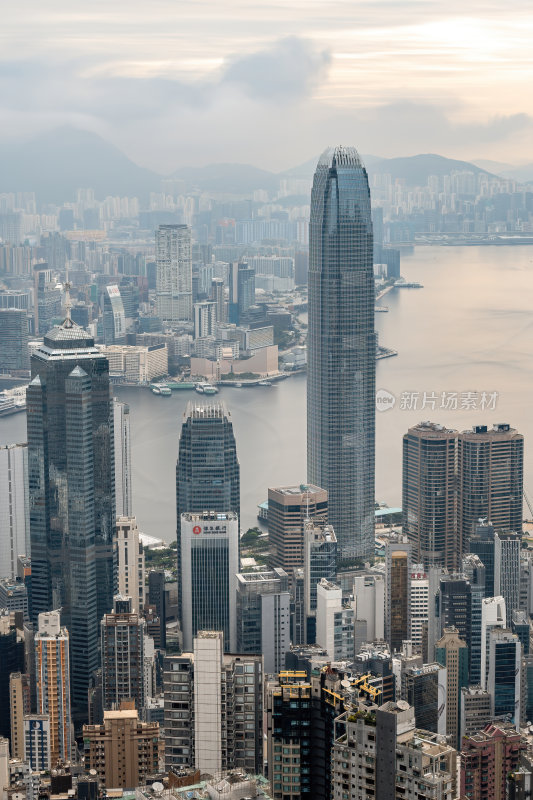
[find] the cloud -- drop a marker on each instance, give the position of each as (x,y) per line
(288,71)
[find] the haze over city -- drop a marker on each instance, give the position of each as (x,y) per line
(176,83)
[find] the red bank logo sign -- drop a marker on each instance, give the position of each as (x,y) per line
(197,529)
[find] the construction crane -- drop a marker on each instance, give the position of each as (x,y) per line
(526,498)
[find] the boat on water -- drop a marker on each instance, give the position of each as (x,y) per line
(206,388)
(161,388)
(264,383)
(401,283)
(12,401)
(166,391)
(156,389)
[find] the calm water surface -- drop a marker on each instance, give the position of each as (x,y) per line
(470,329)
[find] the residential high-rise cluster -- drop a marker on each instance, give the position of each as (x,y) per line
(340,651)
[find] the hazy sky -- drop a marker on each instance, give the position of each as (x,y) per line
(272,83)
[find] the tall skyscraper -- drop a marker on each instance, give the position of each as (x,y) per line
(207,470)
(288,509)
(122,439)
(122,645)
(72,491)
(129,558)
(174,273)
(218,296)
(507,571)
(241,291)
(452,652)
(53,683)
(490,479)
(14,525)
(263,616)
(113,316)
(429,494)
(342,349)
(397,597)
(20,704)
(220,722)
(11,660)
(14,335)
(505,674)
(320,561)
(209,561)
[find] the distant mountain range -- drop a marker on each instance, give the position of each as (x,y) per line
(57,163)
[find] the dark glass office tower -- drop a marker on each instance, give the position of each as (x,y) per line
(71,491)
(429,495)
(342,349)
(207,472)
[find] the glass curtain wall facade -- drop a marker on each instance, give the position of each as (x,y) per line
(71,491)
(207,471)
(342,349)
(429,495)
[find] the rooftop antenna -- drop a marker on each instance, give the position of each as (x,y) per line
(68,305)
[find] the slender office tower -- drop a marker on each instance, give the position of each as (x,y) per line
(71,491)
(174,273)
(342,349)
(207,471)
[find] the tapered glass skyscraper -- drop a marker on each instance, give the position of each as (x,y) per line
(342,349)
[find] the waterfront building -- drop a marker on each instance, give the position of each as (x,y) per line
(209,558)
(122,442)
(129,558)
(429,495)
(452,653)
(220,697)
(490,475)
(263,616)
(207,470)
(71,491)
(14,511)
(122,645)
(52,662)
(174,273)
(289,508)
(342,349)
(122,750)
(136,365)
(14,335)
